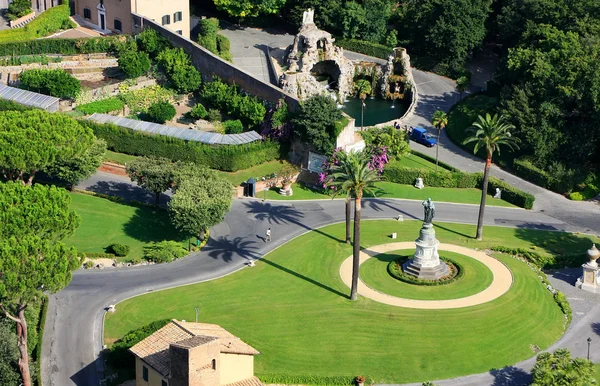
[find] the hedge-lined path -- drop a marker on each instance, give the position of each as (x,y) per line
(500,285)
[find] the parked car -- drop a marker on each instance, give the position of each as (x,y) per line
(420,135)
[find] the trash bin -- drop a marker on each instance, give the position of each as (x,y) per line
(250,188)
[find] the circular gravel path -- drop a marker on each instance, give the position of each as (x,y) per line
(500,285)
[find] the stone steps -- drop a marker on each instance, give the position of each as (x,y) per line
(426,273)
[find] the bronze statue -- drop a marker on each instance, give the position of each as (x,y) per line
(429,209)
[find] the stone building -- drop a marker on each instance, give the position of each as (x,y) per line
(194,354)
(115,16)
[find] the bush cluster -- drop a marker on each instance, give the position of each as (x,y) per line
(207,35)
(177,65)
(96,255)
(164,252)
(224,47)
(56,82)
(366,48)
(198,111)
(133,63)
(395,141)
(61,46)
(395,270)
(162,111)
(447,179)
(119,249)
(221,157)
(233,127)
(564,305)
(543,261)
(228,98)
(18,8)
(49,22)
(19,60)
(102,106)
(286,379)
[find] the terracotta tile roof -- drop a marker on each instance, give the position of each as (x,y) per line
(154,350)
(247,382)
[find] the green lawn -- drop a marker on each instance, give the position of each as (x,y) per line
(104,222)
(118,158)
(414,162)
(597,369)
(476,277)
(294,309)
(393,190)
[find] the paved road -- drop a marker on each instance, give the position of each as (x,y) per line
(73,334)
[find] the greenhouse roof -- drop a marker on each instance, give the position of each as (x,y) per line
(27,98)
(178,132)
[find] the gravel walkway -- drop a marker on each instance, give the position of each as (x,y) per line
(500,285)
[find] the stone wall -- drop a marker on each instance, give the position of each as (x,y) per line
(211,65)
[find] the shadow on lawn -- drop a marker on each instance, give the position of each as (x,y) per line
(558,244)
(148,224)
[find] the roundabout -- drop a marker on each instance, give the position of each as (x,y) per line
(501,283)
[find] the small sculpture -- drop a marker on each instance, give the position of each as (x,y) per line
(429,209)
(308,16)
(419,184)
(498,193)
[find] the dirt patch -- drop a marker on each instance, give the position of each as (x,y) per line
(113,168)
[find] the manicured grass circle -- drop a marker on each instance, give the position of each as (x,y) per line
(475,278)
(396,270)
(294,308)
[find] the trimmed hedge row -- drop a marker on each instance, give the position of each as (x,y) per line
(447,179)
(544,261)
(432,159)
(286,379)
(228,158)
(61,46)
(47,23)
(395,270)
(364,47)
(526,170)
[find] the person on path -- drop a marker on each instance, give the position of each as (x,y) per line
(268,235)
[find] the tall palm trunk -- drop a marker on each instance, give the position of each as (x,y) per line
(348,217)
(484,188)
(437,150)
(356,248)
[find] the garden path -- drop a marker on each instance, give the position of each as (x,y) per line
(500,285)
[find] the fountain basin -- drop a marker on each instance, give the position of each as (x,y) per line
(376,110)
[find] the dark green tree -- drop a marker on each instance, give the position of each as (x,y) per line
(133,63)
(78,168)
(56,82)
(153,174)
(559,369)
(249,8)
(316,123)
(161,111)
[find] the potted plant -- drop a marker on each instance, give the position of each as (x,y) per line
(287,174)
(360,380)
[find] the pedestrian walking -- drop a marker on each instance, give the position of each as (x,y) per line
(268,235)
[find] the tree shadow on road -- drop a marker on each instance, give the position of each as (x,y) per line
(510,376)
(127,191)
(225,248)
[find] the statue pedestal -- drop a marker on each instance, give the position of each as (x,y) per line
(589,280)
(426,263)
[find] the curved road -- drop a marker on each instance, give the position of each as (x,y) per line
(73,333)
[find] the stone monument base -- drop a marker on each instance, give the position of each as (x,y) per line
(426,263)
(427,273)
(591,276)
(286,192)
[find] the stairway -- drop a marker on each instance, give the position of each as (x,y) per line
(24,22)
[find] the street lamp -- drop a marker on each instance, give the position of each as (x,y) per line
(589,340)
(362,114)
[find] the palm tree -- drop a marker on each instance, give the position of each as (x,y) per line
(489,133)
(362,88)
(462,84)
(354,176)
(439,121)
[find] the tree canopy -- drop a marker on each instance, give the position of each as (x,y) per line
(34,140)
(249,8)
(78,168)
(559,369)
(153,174)
(316,123)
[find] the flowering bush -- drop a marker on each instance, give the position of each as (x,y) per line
(378,161)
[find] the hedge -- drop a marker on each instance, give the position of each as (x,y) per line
(432,159)
(47,23)
(286,379)
(364,47)
(544,261)
(228,158)
(447,179)
(102,106)
(528,171)
(60,46)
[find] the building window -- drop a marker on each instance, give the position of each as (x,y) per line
(177,16)
(145,373)
(166,19)
(214,364)
(87,14)
(164,383)
(118,25)
(180,32)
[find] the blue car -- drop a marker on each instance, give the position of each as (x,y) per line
(420,135)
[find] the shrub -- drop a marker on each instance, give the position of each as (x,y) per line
(160,112)
(140,100)
(102,106)
(134,63)
(563,303)
(527,170)
(207,36)
(57,82)
(364,47)
(47,23)
(18,8)
(543,261)
(228,98)
(224,47)
(395,270)
(233,127)
(286,379)
(317,123)
(164,251)
(221,157)
(119,249)
(88,264)
(510,193)
(151,42)
(395,141)
(183,76)
(61,46)
(198,111)
(214,115)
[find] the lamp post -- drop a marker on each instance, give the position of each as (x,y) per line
(589,342)
(362,114)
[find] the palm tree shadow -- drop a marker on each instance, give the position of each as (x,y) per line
(306,278)
(378,205)
(510,376)
(281,215)
(437,225)
(224,248)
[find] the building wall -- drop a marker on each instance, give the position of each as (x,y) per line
(154,377)
(211,65)
(235,368)
(194,366)
(156,9)
(119,10)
